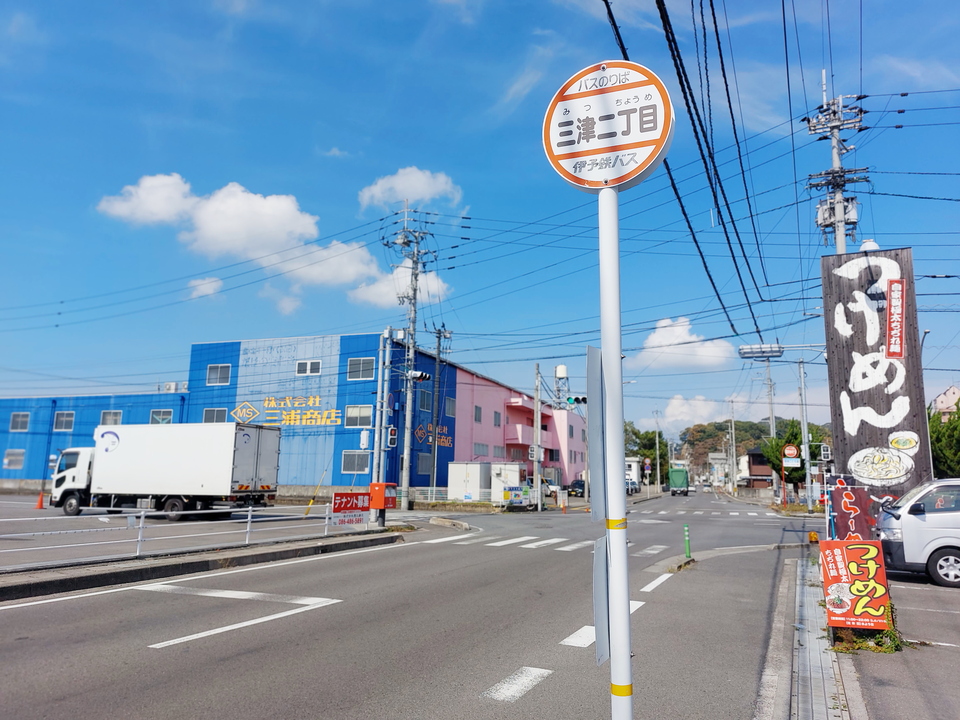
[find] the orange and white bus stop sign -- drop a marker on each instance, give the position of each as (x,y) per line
(610,125)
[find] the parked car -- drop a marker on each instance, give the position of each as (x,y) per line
(632,486)
(576,488)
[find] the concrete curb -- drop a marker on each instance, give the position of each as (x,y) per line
(59,580)
(446,522)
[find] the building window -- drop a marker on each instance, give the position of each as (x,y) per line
(161,417)
(424,463)
(63,421)
(499,451)
(19,422)
(570,431)
(355,462)
(360,368)
(358,416)
(477,414)
(496,419)
(111,417)
(481,449)
(308,367)
(13,459)
(218,374)
(425,400)
(214,415)
(518,454)
(450,407)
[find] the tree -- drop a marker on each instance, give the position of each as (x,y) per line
(772,449)
(643,444)
(944,444)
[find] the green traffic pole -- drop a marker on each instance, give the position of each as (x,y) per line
(686,540)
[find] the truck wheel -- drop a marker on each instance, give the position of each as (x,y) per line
(71,506)
(174,506)
(944,567)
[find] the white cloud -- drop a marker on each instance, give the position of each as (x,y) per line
(271,230)
(673,346)
(412,184)
(205,286)
(384,290)
(154,199)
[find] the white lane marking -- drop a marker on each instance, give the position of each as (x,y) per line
(949,612)
(544,543)
(217,573)
(235,594)
(698,512)
(930,642)
(584,637)
(576,546)
(481,538)
(587,635)
(656,583)
(512,541)
(652,550)
(238,626)
(518,684)
(441,540)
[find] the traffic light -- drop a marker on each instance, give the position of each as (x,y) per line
(576,400)
(391,436)
(419,376)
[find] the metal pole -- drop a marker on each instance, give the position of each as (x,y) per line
(537,420)
(621,675)
(805,437)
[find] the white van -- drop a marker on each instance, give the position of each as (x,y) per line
(920,532)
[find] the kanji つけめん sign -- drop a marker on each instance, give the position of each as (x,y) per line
(610,125)
(854,584)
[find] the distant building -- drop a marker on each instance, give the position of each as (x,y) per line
(322,392)
(946,403)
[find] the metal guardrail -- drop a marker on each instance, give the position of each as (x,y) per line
(84,535)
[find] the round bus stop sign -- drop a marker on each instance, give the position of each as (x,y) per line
(610,125)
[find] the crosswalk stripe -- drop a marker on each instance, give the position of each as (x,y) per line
(512,541)
(479,539)
(544,543)
(575,546)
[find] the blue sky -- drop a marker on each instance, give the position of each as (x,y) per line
(228,169)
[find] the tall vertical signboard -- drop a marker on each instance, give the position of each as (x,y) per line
(606,129)
(873,361)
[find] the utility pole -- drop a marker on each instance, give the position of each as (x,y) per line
(836,212)
(537,420)
(805,437)
(442,333)
(409,243)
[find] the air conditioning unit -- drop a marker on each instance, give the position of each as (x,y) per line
(183,387)
(169,387)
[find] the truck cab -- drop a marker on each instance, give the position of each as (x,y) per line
(71,480)
(920,532)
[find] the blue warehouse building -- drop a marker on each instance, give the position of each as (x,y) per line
(321,391)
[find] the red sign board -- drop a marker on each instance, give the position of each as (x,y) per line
(351,502)
(896,292)
(854,584)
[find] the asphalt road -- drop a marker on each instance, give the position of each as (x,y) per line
(491,623)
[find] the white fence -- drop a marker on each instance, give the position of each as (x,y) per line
(30,543)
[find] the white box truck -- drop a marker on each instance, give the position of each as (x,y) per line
(171,468)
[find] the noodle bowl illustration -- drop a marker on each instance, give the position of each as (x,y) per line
(880,467)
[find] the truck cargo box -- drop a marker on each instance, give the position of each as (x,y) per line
(190,459)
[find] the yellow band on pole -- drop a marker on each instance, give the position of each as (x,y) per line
(621,690)
(617,524)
